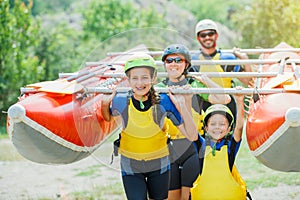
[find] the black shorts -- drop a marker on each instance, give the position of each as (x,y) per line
(184,170)
(139,180)
(155,183)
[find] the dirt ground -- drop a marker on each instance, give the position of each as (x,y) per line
(27,180)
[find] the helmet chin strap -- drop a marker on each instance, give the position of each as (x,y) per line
(214,147)
(183,73)
(179,77)
(141,102)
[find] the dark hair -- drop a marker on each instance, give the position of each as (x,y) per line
(155,98)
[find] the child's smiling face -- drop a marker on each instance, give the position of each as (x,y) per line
(217,126)
(140,80)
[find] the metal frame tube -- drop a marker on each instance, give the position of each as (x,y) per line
(208,62)
(192,90)
(247,51)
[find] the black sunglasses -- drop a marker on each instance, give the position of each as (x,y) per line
(210,33)
(176,60)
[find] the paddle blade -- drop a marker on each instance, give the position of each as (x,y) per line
(39,84)
(73,88)
(62,86)
(294,87)
(278,80)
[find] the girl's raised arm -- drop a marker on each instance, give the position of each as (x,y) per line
(106,101)
(183,103)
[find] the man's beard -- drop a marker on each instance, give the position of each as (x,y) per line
(211,45)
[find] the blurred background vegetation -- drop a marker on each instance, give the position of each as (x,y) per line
(39,39)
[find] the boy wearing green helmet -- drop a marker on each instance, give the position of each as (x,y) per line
(219,178)
(143,141)
(185,164)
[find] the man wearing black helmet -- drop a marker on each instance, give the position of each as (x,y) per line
(207,34)
(183,154)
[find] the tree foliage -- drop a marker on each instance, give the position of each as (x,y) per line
(268,22)
(217,10)
(59,50)
(108,18)
(49,7)
(18,65)
(33,50)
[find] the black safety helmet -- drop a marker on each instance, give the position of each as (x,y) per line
(177,49)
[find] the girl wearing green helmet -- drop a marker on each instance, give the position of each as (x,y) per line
(219,149)
(143,141)
(184,155)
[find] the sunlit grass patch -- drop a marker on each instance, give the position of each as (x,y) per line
(113,191)
(94,170)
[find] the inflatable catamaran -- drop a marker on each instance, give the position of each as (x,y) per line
(60,121)
(273,123)
(55,122)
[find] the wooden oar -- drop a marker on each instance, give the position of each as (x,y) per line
(296,84)
(69,87)
(72,84)
(280,78)
(39,84)
(62,80)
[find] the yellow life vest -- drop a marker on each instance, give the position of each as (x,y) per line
(143,139)
(200,125)
(223,82)
(216,180)
(176,134)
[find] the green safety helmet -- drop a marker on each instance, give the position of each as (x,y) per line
(206,24)
(140,60)
(177,49)
(218,109)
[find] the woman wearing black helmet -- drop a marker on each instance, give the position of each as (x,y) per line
(183,154)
